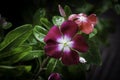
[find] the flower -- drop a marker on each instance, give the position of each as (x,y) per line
(54,76)
(86,23)
(63,43)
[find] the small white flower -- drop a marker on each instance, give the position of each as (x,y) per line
(82,60)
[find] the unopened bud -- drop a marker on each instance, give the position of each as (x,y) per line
(54,76)
(61,10)
(82,60)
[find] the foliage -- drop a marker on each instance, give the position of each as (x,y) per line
(22,55)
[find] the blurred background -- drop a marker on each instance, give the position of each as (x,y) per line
(20,12)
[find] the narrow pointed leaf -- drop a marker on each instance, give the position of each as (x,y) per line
(46,23)
(33,54)
(16,37)
(67,10)
(40,29)
(15,70)
(12,52)
(93,33)
(39,33)
(38,14)
(18,56)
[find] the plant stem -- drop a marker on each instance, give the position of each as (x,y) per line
(54,66)
(41,67)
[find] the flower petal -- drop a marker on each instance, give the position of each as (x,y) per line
(92,18)
(82,14)
(78,22)
(79,43)
(69,28)
(54,76)
(72,17)
(52,35)
(53,51)
(70,58)
(87,27)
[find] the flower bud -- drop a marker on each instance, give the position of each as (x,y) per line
(82,60)
(61,10)
(54,76)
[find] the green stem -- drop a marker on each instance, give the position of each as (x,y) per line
(41,68)
(54,66)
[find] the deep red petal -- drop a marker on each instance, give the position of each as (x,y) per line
(69,28)
(52,35)
(92,18)
(79,43)
(52,51)
(87,27)
(70,58)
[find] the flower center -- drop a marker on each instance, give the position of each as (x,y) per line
(65,43)
(82,18)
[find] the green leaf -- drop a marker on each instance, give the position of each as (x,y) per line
(7,67)
(7,25)
(31,41)
(15,70)
(58,20)
(117,8)
(46,23)
(21,55)
(33,54)
(39,33)
(26,68)
(38,14)
(50,66)
(67,10)
(16,37)
(40,29)
(93,33)
(12,52)
(18,55)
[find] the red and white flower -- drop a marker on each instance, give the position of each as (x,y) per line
(63,43)
(86,23)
